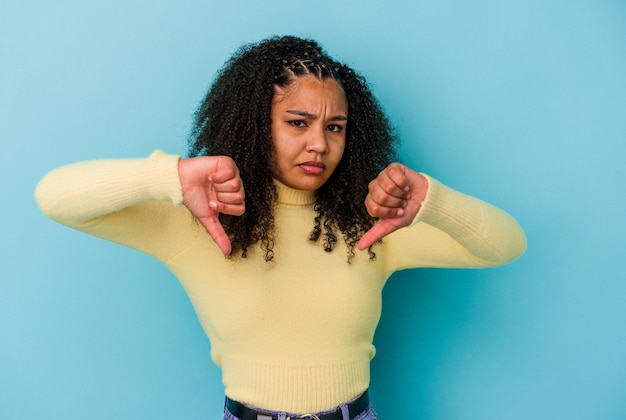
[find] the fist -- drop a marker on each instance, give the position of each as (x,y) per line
(212,185)
(395,196)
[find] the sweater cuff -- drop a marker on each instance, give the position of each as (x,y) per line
(161,176)
(448,210)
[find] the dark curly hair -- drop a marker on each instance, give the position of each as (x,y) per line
(234,120)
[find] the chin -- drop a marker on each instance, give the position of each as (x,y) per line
(307,185)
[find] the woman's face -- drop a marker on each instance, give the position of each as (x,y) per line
(308,129)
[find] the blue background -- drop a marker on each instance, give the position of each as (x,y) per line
(521,103)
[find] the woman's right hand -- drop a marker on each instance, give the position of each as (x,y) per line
(211,185)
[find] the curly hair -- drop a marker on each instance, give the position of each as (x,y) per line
(234,120)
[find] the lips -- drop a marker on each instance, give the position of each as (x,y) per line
(312,167)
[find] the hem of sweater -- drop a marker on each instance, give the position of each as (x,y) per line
(294,389)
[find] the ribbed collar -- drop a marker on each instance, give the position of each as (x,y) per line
(293,197)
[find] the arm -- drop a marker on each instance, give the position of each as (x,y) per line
(432,225)
(133,202)
(138,202)
(78,194)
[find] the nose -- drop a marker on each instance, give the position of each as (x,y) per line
(317,141)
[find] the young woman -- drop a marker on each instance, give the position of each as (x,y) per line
(283,226)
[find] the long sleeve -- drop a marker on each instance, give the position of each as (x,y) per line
(128,201)
(453,229)
(245,305)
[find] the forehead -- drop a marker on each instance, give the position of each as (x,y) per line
(309,90)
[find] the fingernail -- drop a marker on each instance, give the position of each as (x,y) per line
(400,212)
(213,205)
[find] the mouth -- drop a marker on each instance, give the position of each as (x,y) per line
(312,167)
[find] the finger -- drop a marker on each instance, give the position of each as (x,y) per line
(229,193)
(226,182)
(375,234)
(231,209)
(392,181)
(230,197)
(216,230)
(224,171)
(381,200)
(228,203)
(397,174)
(390,190)
(388,207)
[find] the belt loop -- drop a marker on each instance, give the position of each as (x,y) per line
(345,414)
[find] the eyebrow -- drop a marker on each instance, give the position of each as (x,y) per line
(313,116)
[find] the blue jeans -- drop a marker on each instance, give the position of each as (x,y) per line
(368,414)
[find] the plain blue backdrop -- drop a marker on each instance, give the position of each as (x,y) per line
(520,102)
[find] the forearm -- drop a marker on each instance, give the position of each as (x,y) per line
(78,193)
(454,230)
(488,233)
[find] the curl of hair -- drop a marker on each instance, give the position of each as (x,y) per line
(234,120)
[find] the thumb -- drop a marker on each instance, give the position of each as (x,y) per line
(216,230)
(376,233)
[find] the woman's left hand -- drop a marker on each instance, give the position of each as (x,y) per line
(395,196)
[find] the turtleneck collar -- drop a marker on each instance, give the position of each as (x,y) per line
(293,197)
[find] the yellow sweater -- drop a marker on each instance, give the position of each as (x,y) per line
(295,335)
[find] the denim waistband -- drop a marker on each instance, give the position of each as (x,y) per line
(347,411)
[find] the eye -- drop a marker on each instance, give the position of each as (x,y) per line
(335,128)
(297,123)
